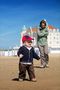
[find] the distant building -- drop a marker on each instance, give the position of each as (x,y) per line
(24,29)
(9,52)
(53,37)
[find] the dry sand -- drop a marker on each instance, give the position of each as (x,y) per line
(47,78)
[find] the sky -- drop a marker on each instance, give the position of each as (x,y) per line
(16,13)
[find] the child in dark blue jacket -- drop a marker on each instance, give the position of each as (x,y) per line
(26,54)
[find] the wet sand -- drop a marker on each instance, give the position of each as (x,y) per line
(47,78)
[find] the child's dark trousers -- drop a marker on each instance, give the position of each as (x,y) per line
(22,71)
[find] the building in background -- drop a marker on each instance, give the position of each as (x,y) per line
(23,32)
(54,39)
(9,52)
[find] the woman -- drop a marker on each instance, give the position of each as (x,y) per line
(42,34)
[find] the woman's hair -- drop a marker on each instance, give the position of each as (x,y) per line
(43,21)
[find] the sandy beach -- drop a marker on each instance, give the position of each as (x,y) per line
(47,78)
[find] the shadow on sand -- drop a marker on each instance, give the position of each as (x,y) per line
(41,67)
(17,79)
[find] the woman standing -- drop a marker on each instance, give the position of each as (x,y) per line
(42,34)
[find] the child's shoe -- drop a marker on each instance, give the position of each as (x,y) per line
(47,65)
(42,66)
(20,79)
(33,79)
